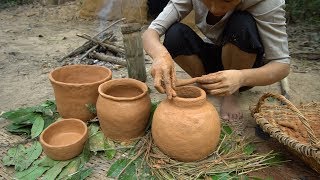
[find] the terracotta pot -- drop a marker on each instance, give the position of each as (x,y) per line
(64,139)
(75,87)
(186,128)
(123,108)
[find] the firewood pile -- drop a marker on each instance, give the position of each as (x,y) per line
(100,49)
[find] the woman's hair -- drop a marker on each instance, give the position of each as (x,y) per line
(155,7)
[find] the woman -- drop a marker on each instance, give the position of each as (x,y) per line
(245,45)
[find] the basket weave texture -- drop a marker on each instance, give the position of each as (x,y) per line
(296,128)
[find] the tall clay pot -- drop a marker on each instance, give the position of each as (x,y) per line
(75,87)
(123,108)
(186,128)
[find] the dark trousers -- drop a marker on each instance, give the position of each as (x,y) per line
(240,30)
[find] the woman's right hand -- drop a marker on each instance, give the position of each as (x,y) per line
(164,75)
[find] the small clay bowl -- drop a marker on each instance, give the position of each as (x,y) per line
(64,139)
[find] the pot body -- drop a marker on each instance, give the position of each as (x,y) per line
(123,108)
(75,87)
(186,129)
(64,139)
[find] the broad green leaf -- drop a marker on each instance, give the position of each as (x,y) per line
(48,120)
(275,159)
(31,154)
(54,171)
(31,173)
(48,162)
(96,142)
(249,149)
(85,155)
(23,130)
(71,168)
(227,129)
(93,129)
(222,176)
(13,114)
(92,108)
(154,106)
(108,144)
(81,174)
(11,156)
(130,173)
(25,118)
(37,127)
(116,168)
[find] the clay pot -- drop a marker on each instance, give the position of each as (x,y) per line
(123,108)
(186,128)
(75,87)
(64,139)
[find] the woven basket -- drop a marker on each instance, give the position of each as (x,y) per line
(296,128)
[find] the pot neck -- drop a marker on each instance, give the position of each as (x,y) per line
(189,96)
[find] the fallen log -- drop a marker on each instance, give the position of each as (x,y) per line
(108,58)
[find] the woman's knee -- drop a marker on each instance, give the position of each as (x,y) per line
(175,35)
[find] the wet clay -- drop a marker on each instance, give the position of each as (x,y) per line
(76,86)
(64,139)
(123,108)
(186,128)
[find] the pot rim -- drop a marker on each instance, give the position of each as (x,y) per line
(181,101)
(142,86)
(83,135)
(108,77)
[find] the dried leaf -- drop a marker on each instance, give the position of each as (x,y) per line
(116,168)
(37,127)
(54,171)
(71,168)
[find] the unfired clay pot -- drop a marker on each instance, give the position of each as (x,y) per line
(75,87)
(64,139)
(186,128)
(123,108)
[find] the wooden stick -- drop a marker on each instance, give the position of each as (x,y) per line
(89,51)
(107,46)
(107,58)
(89,44)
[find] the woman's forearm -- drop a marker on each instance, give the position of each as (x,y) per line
(265,75)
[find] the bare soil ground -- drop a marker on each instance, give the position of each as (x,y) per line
(33,38)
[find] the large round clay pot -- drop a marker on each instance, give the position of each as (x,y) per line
(123,108)
(187,127)
(64,139)
(75,87)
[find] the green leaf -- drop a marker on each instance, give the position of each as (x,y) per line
(116,168)
(48,162)
(92,108)
(37,127)
(249,149)
(30,155)
(222,176)
(31,173)
(13,114)
(93,129)
(108,144)
(130,173)
(81,174)
(154,106)
(54,171)
(71,168)
(227,129)
(96,142)
(11,156)
(85,155)
(24,129)
(275,159)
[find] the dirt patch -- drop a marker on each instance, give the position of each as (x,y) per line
(33,38)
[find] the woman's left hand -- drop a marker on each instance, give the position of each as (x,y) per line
(222,83)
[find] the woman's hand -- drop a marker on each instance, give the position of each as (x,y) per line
(221,83)
(164,75)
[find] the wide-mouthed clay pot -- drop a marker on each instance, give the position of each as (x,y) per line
(187,127)
(123,108)
(76,87)
(64,139)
